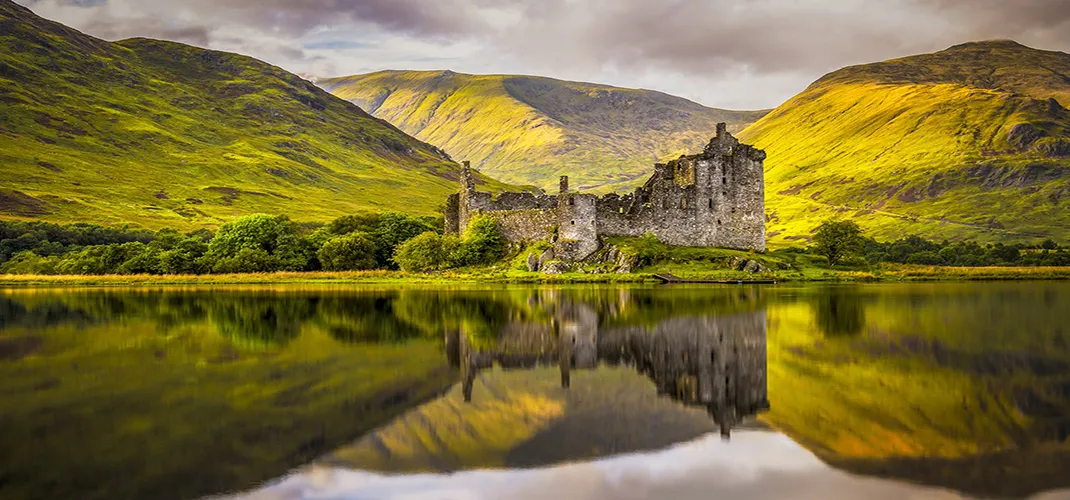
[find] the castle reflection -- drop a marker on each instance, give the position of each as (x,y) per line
(713,362)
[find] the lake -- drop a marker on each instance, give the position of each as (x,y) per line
(919,390)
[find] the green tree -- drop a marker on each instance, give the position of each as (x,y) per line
(258,243)
(395,228)
(352,252)
(429,251)
(837,240)
(483,242)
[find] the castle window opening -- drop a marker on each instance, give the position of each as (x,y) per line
(710,201)
(724,180)
(572,201)
(573,223)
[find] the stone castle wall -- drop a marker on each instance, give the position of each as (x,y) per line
(712,199)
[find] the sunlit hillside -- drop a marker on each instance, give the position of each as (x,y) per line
(969,142)
(164,134)
(530,130)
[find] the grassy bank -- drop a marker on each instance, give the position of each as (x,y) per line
(689,270)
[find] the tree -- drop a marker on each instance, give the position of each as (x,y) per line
(837,240)
(428,252)
(352,252)
(259,243)
(483,242)
(395,228)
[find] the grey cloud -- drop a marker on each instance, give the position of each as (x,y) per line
(113,29)
(695,44)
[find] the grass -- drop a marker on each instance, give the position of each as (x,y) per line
(161,134)
(924,145)
(530,130)
(689,270)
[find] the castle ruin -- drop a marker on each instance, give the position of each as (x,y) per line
(712,199)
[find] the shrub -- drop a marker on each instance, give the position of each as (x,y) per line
(246,260)
(27,262)
(649,250)
(483,242)
(352,252)
(429,252)
(395,228)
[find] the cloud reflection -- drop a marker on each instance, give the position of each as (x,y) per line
(754,465)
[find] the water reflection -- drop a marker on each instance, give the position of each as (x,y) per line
(840,312)
(714,362)
(178,393)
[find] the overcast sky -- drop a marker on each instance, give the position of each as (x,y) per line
(742,54)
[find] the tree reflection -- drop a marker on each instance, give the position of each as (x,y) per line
(840,312)
(260,322)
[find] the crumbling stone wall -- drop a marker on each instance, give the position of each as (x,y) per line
(712,199)
(521,216)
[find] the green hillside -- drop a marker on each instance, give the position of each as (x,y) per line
(530,130)
(164,134)
(969,142)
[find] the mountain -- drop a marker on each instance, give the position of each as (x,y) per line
(164,134)
(530,130)
(969,142)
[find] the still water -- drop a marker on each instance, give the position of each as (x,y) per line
(949,390)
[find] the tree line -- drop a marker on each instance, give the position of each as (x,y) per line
(843,242)
(252,244)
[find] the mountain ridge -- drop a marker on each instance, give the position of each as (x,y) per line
(969,142)
(604,137)
(163,134)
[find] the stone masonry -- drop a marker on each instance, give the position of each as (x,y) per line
(712,199)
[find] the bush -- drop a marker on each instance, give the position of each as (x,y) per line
(649,250)
(483,242)
(247,260)
(429,252)
(352,252)
(27,262)
(394,229)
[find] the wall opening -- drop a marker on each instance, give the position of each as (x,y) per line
(573,223)
(571,201)
(710,202)
(724,180)
(718,222)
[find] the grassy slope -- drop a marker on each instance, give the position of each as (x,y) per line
(924,145)
(164,134)
(530,130)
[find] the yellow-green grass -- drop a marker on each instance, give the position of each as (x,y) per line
(924,145)
(161,134)
(530,130)
(689,270)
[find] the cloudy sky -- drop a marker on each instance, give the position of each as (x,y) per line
(741,54)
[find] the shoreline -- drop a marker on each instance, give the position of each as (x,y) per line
(897,273)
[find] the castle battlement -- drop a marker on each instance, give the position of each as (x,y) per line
(712,199)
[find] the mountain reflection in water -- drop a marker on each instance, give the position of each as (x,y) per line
(178,393)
